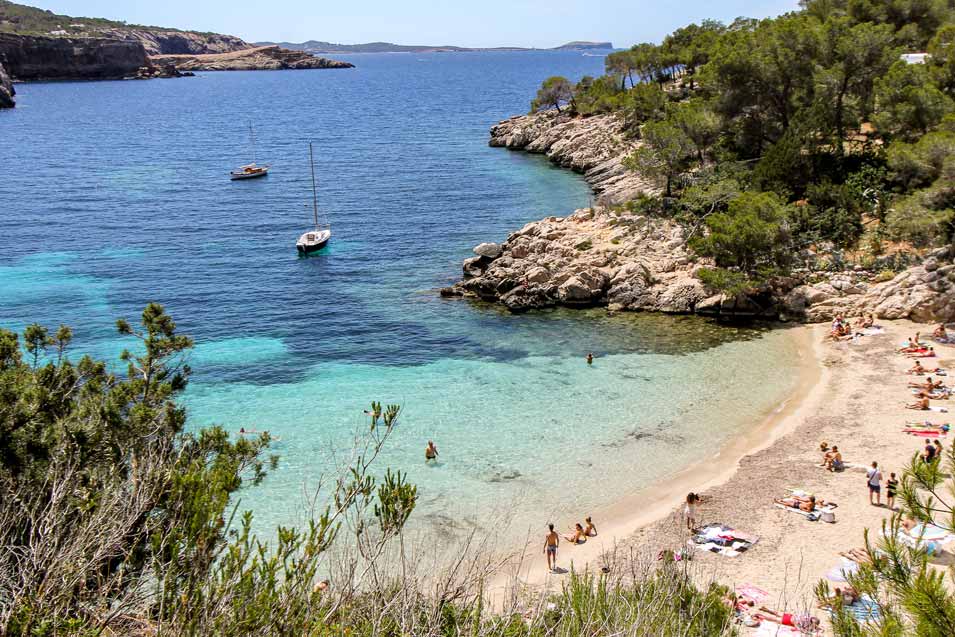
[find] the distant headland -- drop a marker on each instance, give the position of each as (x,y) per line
(41,45)
(315,46)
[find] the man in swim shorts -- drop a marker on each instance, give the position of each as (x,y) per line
(551,542)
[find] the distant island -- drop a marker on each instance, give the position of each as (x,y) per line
(36,44)
(316,46)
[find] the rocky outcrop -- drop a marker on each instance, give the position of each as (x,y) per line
(629,262)
(6,90)
(593,257)
(28,57)
(595,146)
(924,292)
(171,42)
(257,59)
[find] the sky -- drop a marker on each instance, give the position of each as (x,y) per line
(481,23)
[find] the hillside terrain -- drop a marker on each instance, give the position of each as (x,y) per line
(316,46)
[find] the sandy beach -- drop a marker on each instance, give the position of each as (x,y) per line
(852,394)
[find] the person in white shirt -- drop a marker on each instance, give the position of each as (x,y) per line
(874,477)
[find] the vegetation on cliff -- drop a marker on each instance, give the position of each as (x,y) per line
(118,518)
(814,114)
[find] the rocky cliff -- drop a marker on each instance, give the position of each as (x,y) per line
(30,57)
(257,59)
(170,42)
(594,146)
(627,262)
(6,90)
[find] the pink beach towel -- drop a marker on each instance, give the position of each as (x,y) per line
(754,593)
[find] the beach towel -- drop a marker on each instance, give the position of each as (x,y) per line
(811,516)
(922,433)
(865,610)
(752,592)
(840,573)
(873,331)
(941,410)
(769,629)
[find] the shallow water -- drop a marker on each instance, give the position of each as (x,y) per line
(116,194)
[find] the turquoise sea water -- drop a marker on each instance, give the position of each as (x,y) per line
(116,194)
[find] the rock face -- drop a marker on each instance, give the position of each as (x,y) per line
(633,263)
(594,146)
(170,42)
(6,90)
(257,59)
(924,292)
(29,58)
(592,257)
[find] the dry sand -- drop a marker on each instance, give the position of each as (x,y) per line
(852,395)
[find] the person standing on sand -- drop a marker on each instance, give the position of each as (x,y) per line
(874,477)
(938,448)
(551,542)
(891,485)
(689,511)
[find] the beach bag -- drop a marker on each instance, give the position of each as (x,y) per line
(828,516)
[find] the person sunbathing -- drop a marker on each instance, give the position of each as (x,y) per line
(940,333)
(803,622)
(589,529)
(868,321)
(846,595)
(859,556)
(917,369)
(921,404)
(807,505)
(928,385)
(923,353)
(578,537)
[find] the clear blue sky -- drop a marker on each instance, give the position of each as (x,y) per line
(478,23)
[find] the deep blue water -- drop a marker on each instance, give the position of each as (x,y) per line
(116,194)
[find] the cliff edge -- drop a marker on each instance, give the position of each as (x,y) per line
(6,90)
(594,146)
(266,58)
(29,58)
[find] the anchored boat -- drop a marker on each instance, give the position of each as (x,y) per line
(314,240)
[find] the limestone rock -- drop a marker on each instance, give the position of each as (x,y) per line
(489,250)
(6,90)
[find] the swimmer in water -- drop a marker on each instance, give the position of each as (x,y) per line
(430,452)
(590,358)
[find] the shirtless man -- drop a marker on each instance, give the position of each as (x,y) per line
(430,452)
(917,369)
(921,404)
(833,459)
(928,385)
(807,505)
(551,542)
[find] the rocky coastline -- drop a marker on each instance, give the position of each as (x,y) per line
(6,90)
(31,58)
(266,58)
(593,146)
(606,256)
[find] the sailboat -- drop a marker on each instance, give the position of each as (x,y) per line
(314,240)
(250,171)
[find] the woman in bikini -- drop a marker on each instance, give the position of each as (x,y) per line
(589,529)
(802,622)
(578,537)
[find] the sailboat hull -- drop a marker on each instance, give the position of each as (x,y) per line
(237,175)
(306,250)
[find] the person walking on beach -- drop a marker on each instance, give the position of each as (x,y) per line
(891,485)
(874,477)
(430,452)
(551,542)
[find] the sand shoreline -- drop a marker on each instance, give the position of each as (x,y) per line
(850,394)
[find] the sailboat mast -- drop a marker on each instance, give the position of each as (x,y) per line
(311,160)
(252,141)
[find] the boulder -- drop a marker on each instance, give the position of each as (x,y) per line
(489,250)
